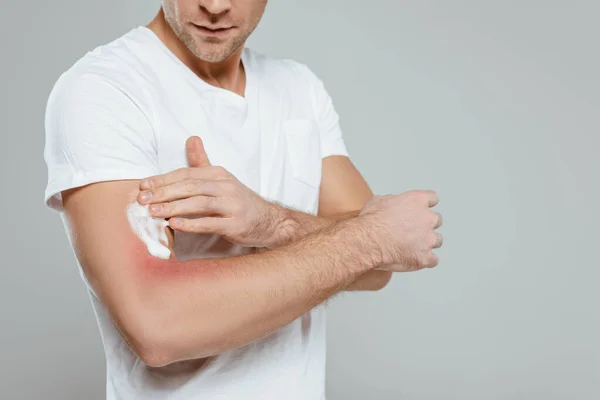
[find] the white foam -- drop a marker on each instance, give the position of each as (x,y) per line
(149,229)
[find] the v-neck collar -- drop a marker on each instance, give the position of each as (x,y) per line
(248,89)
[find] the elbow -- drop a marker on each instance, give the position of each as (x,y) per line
(151,350)
(139,324)
(143,339)
(155,359)
(158,346)
(383,278)
(147,317)
(160,336)
(159,324)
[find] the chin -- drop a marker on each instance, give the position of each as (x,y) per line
(210,56)
(213,53)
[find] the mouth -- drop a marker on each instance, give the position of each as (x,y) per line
(214,31)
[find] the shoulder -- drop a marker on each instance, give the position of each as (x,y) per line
(105,72)
(286,71)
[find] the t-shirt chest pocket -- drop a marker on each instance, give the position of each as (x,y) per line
(303,164)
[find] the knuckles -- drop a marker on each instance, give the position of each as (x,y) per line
(434,218)
(421,261)
(191,186)
(198,185)
(183,173)
(236,208)
(432,240)
(210,203)
(158,193)
(221,173)
(167,207)
(432,261)
(188,173)
(229,188)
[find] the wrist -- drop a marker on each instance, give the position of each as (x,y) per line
(373,243)
(289,225)
(281,227)
(357,239)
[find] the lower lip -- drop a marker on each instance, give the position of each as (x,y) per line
(214,33)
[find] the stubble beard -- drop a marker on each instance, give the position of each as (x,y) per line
(208,49)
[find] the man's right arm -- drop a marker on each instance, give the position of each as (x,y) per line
(99,133)
(170,310)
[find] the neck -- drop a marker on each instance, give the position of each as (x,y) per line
(228,74)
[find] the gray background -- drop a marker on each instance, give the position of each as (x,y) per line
(493,104)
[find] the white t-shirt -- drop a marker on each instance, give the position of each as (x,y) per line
(124,111)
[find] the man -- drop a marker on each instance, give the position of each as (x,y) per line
(267,216)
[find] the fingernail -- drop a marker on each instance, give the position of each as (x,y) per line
(147,184)
(145,196)
(174,222)
(155,207)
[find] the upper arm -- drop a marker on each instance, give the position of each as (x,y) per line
(99,144)
(343,188)
(111,255)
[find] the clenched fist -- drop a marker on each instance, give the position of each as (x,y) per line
(403,229)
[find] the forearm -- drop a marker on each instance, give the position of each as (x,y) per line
(296,225)
(199,308)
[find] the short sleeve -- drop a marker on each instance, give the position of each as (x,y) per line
(95,131)
(332,141)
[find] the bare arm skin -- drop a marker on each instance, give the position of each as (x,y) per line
(343,193)
(202,189)
(171,310)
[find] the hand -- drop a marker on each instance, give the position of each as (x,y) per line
(403,229)
(228,208)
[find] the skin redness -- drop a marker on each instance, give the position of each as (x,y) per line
(150,230)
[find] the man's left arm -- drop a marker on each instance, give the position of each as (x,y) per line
(343,194)
(343,191)
(252,221)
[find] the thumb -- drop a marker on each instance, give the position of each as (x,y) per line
(196,154)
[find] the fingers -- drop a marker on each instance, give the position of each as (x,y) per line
(432,197)
(197,157)
(183,174)
(197,205)
(199,225)
(439,241)
(196,154)
(155,181)
(432,261)
(181,190)
(438,220)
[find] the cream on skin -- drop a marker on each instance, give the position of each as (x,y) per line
(149,229)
